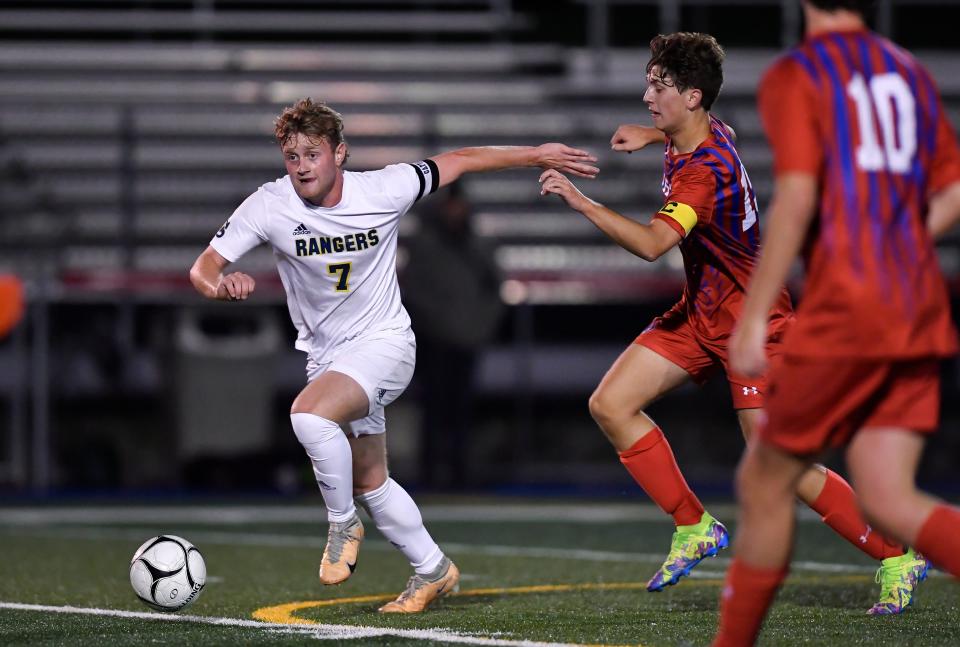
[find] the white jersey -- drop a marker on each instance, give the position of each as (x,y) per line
(338,265)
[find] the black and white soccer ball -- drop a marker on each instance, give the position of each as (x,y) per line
(167,572)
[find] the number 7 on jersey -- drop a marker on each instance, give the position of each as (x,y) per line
(343,272)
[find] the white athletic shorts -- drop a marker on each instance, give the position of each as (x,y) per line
(381,363)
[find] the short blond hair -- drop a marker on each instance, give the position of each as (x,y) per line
(315,119)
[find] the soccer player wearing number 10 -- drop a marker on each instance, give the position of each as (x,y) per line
(867,173)
(711,213)
(334,237)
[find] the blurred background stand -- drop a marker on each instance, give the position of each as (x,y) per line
(13,350)
(451,287)
(224,381)
(131,129)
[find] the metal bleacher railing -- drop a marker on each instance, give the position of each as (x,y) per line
(152,150)
(668,17)
(206,18)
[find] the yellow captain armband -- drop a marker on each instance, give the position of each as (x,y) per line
(682,214)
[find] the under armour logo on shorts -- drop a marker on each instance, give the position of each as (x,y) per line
(751,390)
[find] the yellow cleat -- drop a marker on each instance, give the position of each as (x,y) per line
(341,552)
(421,592)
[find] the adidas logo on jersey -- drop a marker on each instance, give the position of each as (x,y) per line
(301,230)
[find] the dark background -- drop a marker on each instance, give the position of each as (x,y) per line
(129,131)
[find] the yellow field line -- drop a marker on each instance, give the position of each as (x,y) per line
(284,613)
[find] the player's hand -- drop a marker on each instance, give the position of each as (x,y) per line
(552,181)
(748,348)
(566,160)
(236,287)
(633,137)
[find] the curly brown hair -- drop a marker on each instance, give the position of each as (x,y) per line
(862,7)
(689,60)
(314,119)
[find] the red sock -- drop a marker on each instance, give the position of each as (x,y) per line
(939,538)
(651,463)
(746,597)
(837,505)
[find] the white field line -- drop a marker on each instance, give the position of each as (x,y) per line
(579,513)
(319,631)
(273,540)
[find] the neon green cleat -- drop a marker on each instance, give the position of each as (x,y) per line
(689,546)
(898,578)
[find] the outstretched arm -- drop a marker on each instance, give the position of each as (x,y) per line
(649,242)
(208,279)
(633,137)
(453,164)
(793,209)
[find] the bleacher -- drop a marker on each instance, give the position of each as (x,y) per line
(130,131)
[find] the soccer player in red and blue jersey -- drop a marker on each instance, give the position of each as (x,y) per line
(711,214)
(867,174)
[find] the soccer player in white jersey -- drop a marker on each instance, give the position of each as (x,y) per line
(334,236)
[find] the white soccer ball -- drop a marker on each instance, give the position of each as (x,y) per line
(167,572)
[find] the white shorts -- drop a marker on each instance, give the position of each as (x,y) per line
(381,363)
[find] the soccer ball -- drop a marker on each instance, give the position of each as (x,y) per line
(167,572)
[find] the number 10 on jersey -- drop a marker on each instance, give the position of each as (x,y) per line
(888,97)
(342,272)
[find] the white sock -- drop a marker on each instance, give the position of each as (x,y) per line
(329,452)
(398,518)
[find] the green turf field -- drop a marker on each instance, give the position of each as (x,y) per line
(532,574)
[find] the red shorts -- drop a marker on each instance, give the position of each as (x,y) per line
(673,337)
(818,404)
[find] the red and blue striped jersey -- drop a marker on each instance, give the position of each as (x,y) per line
(711,203)
(864,117)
